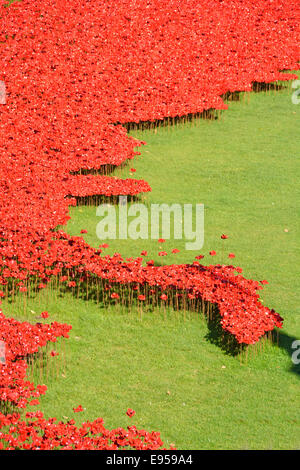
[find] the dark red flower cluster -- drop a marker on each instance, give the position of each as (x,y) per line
(130,61)
(22,339)
(71,261)
(33,431)
(71,76)
(74,72)
(89,185)
(37,433)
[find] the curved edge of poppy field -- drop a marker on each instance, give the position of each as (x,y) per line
(37,191)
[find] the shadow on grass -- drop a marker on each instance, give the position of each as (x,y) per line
(224,340)
(258,87)
(227,343)
(97,199)
(232,96)
(208,312)
(104,170)
(285,342)
(208,114)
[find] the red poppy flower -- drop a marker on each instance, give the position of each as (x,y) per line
(130,412)
(114,295)
(78,409)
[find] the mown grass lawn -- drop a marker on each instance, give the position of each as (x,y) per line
(244,169)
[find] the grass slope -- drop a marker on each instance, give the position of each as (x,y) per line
(244,169)
(176,380)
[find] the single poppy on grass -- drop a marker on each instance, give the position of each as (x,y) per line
(78,409)
(130,412)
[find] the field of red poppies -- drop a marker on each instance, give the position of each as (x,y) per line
(76,76)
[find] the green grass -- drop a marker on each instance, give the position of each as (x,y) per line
(244,169)
(172,376)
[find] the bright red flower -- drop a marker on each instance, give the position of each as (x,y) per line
(162,253)
(78,409)
(130,412)
(34,402)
